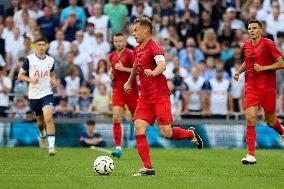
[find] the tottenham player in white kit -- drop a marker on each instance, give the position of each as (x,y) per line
(37,70)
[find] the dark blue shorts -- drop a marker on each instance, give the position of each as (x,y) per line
(37,105)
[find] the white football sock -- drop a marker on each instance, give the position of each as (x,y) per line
(51,141)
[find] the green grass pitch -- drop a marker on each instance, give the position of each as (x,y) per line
(32,168)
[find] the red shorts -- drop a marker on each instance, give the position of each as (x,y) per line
(148,111)
(265,99)
(122,99)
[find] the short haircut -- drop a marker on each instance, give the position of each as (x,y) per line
(253,21)
(41,39)
(144,21)
(118,34)
(91,122)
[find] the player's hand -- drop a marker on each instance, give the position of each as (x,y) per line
(119,66)
(236,77)
(258,67)
(149,72)
(34,80)
(127,87)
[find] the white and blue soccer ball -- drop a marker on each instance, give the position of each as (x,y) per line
(104,165)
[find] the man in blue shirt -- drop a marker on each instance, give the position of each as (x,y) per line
(48,23)
(90,138)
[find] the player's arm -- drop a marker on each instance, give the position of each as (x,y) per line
(122,68)
(23,73)
(278,65)
(240,71)
(132,77)
(161,66)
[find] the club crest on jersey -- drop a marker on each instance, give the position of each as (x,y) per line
(38,74)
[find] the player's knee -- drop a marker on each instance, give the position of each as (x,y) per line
(251,119)
(166,133)
(270,123)
(139,130)
(117,119)
(48,120)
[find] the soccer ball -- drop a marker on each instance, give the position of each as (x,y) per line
(103,165)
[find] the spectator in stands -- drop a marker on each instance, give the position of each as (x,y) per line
(191,55)
(57,43)
(176,100)
(90,137)
(147,11)
(235,23)
(82,44)
(20,88)
(237,88)
(72,86)
(101,22)
(8,30)
(219,94)
(101,102)
(225,31)
(24,25)
(5,89)
(139,11)
(90,37)
(70,27)
(2,42)
(100,76)
(209,71)
(166,8)
(280,41)
(84,101)
(79,12)
(227,51)
(63,107)
(24,8)
(237,57)
(117,13)
(48,24)
(186,26)
(275,20)
(265,33)
(27,50)
(19,108)
(15,7)
(83,60)
(14,46)
(186,5)
(209,45)
(171,65)
(195,83)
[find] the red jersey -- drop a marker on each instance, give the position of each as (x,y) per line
(150,87)
(120,77)
(264,53)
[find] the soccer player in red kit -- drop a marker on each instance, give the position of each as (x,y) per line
(154,99)
(121,62)
(261,61)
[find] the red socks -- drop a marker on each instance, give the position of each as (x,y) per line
(179,134)
(250,138)
(143,150)
(278,127)
(117,134)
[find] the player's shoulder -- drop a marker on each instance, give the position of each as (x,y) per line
(129,51)
(246,43)
(155,47)
(49,58)
(268,41)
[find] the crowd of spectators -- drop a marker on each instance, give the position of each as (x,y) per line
(202,40)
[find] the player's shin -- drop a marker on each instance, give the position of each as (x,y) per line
(278,127)
(117,134)
(179,134)
(250,139)
(143,150)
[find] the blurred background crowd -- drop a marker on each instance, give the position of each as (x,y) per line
(202,40)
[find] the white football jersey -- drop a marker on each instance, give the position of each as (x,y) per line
(41,69)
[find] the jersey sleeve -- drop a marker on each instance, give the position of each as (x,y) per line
(26,65)
(275,53)
(157,50)
(132,58)
(52,69)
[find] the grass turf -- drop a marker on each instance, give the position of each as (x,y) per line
(175,168)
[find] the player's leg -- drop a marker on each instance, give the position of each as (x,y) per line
(47,109)
(117,131)
(143,117)
(250,114)
(42,131)
(162,111)
(143,148)
(269,106)
(35,105)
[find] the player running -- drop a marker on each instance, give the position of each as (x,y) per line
(262,59)
(121,62)
(154,100)
(37,70)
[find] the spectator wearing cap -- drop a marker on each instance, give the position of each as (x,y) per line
(48,24)
(235,23)
(90,137)
(79,12)
(101,22)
